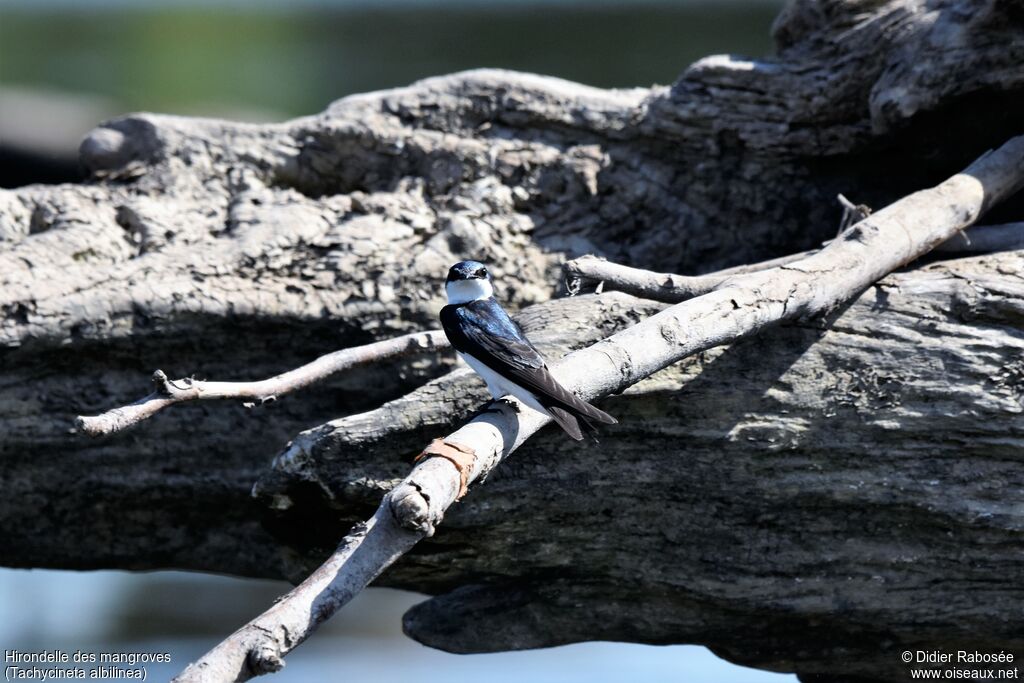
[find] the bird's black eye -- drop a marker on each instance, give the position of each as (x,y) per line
(481,273)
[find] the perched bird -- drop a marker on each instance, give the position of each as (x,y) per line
(495,347)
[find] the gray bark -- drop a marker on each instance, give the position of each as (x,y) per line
(740,307)
(820,493)
(819,498)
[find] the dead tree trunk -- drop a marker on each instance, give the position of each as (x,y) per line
(817,499)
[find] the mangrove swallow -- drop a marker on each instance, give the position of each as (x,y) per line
(495,347)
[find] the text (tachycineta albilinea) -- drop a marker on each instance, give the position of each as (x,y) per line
(495,347)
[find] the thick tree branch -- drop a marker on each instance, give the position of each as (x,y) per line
(169,392)
(745,304)
(258,647)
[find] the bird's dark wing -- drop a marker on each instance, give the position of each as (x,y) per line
(484,330)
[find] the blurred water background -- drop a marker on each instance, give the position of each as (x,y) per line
(65,65)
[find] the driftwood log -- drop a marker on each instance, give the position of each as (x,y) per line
(740,307)
(810,500)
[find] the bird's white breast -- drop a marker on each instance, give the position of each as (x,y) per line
(464,291)
(500,386)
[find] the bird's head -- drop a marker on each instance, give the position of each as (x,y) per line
(468,281)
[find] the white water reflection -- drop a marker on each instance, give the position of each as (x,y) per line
(185,614)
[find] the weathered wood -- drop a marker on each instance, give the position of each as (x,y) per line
(168,392)
(207,246)
(798,501)
(740,307)
(671,288)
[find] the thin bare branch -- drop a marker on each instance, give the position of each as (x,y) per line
(666,287)
(636,281)
(852,213)
(168,392)
(985,239)
(673,289)
(868,250)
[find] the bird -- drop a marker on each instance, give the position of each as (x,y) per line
(491,343)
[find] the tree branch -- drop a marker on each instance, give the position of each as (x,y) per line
(258,647)
(169,392)
(747,303)
(984,239)
(673,289)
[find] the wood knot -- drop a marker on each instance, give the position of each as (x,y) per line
(410,507)
(264,660)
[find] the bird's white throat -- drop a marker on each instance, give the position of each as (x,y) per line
(462,291)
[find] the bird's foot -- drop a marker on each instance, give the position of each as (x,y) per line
(489,408)
(495,407)
(513,405)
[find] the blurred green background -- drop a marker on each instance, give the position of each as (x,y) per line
(294,58)
(65,65)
